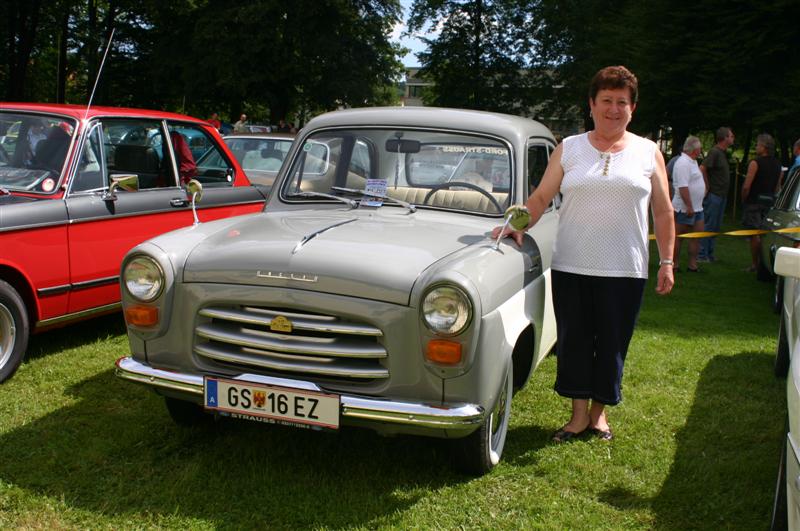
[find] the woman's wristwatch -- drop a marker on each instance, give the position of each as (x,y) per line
(665,261)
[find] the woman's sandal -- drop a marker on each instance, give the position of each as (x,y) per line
(562,435)
(604,435)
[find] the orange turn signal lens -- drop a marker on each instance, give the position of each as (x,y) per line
(141,315)
(443,351)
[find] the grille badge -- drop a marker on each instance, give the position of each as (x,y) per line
(280,324)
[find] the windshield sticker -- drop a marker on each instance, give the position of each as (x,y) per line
(473,149)
(375,187)
(307,146)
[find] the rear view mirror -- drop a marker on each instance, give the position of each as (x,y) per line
(122,181)
(398,145)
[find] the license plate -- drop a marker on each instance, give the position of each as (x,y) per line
(271,404)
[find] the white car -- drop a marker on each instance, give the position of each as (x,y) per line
(787,264)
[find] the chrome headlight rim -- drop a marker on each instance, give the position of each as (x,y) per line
(461,324)
(158,289)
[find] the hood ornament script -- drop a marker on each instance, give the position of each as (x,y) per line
(282,275)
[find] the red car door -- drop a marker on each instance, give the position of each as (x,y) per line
(103,226)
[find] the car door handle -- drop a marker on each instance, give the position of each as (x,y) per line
(178,202)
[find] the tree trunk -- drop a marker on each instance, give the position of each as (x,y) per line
(61,83)
(23,25)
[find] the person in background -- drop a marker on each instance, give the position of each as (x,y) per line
(717,174)
(283,127)
(762,181)
(241,125)
(214,121)
(607,177)
(690,187)
(796,153)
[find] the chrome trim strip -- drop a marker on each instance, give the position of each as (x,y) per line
(258,339)
(53,290)
(35,225)
(299,321)
(86,284)
(157,211)
(311,367)
(352,407)
(108,308)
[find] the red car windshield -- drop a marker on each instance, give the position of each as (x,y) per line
(33,149)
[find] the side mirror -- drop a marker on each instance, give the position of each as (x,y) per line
(194,191)
(518,217)
(122,181)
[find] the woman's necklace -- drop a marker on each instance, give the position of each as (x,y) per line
(605,156)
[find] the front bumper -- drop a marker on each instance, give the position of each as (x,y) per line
(457,419)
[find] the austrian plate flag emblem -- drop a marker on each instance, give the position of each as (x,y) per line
(259,398)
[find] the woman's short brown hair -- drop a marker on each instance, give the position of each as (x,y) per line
(612,78)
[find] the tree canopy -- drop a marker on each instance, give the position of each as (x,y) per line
(196,56)
(700,64)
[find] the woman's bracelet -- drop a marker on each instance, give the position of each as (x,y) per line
(665,261)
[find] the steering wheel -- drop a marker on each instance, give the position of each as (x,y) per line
(471,186)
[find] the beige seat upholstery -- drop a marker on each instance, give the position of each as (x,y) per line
(450,198)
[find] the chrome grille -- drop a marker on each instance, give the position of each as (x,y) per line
(249,338)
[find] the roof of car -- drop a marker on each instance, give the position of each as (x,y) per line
(502,125)
(79,111)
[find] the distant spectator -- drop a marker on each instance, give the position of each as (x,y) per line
(241,125)
(670,166)
(690,187)
(718,175)
(796,153)
(761,182)
(214,121)
(283,127)
(292,128)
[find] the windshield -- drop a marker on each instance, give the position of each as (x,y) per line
(443,170)
(33,149)
(265,154)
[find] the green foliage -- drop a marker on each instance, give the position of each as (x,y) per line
(482,55)
(204,55)
(697,441)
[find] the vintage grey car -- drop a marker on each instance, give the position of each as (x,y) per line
(368,293)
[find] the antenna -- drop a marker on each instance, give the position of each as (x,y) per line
(99,71)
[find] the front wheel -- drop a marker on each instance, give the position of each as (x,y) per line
(14,330)
(480,451)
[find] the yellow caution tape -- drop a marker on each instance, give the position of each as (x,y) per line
(743,232)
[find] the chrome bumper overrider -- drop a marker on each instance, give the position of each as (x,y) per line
(352,407)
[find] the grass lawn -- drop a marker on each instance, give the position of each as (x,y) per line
(697,441)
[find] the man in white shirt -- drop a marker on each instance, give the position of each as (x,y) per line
(690,188)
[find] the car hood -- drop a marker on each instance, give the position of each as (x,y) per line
(368,254)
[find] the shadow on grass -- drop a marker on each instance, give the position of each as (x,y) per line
(75,335)
(116,452)
(726,454)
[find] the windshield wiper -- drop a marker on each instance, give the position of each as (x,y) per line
(349,202)
(411,208)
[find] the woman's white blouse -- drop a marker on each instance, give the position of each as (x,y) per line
(603,220)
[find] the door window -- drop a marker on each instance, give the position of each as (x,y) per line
(199,157)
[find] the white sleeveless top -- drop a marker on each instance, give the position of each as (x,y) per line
(603,220)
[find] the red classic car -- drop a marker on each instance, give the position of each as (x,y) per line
(79,188)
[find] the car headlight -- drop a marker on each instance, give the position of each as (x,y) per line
(446,310)
(143,278)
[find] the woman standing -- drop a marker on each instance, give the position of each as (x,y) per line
(607,177)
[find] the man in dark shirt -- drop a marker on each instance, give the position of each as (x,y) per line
(762,180)
(717,174)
